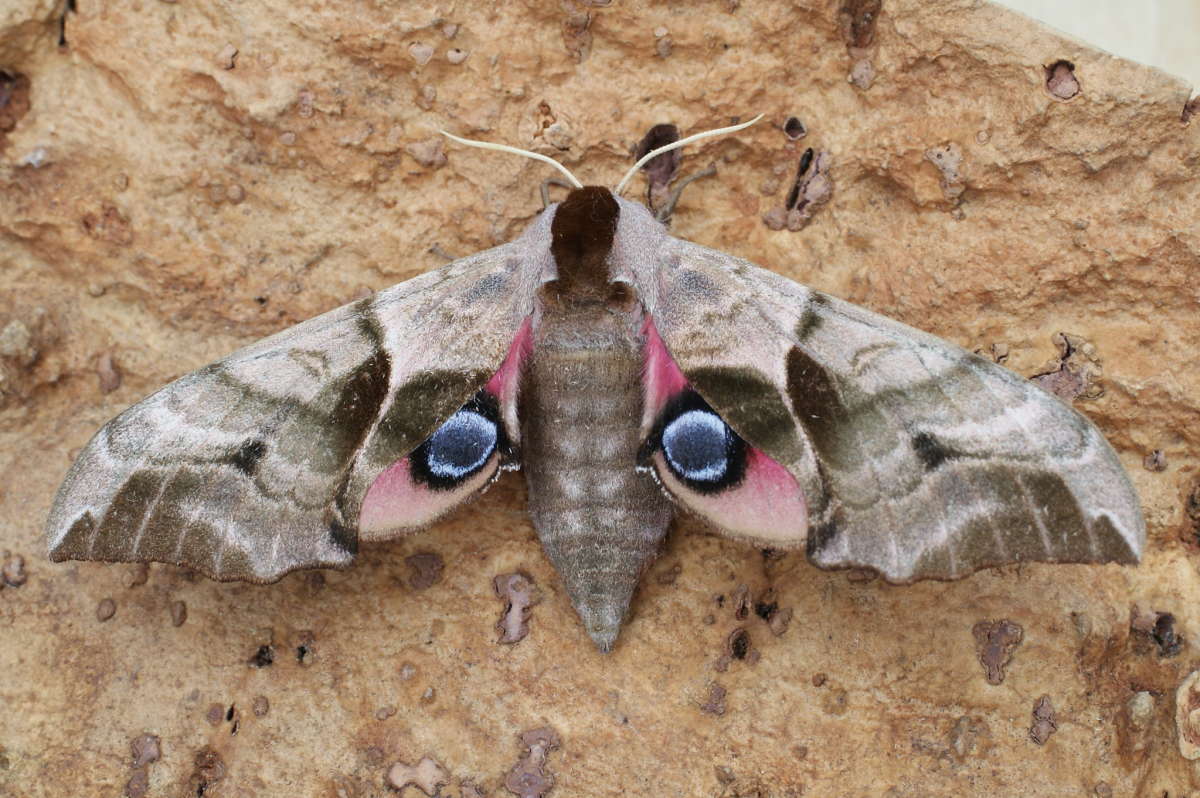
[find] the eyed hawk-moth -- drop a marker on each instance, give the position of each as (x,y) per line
(628,373)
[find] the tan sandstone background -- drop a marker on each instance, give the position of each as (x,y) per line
(178,179)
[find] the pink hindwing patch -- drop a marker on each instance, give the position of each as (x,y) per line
(395,501)
(734,486)
(420,488)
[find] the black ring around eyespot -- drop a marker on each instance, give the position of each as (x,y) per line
(690,405)
(462,446)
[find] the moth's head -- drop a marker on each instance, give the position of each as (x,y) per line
(595,235)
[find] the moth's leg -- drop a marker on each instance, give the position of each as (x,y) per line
(668,207)
(552,181)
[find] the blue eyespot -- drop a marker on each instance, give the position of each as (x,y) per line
(696,445)
(461,447)
(699,448)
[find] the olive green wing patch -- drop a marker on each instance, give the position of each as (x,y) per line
(917,458)
(257,465)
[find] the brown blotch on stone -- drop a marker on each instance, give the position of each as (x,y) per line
(1187,716)
(737,644)
(1061,82)
(1190,109)
(582,233)
(146,748)
(780,620)
(429,152)
(741,602)
(519,594)
(306,647)
(766,606)
(12,572)
(109,225)
(14,102)
(424,569)
(1154,631)
(1169,641)
(948,159)
(227,58)
(106,609)
(1075,373)
(214,714)
(261,706)
(577,38)
(714,704)
(1136,722)
(529,778)
(1191,512)
(427,776)
(108,373)
(661,169)
(178,613)
(805,163)
(1044,723)
(208,769)
(812,188)
(137,575)
(995,642)
(264,656)
(857,19)
(138,784)
(1155,461)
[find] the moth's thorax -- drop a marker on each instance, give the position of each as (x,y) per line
(600,519)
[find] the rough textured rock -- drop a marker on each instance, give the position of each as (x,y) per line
(178,179)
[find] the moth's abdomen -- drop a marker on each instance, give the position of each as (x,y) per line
(598,517)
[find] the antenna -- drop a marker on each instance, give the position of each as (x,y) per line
(574,181)
(537,156)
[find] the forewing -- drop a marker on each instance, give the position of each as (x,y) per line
(258,464)
(916,458)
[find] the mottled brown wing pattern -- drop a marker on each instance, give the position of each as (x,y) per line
(258,464)
(918,459)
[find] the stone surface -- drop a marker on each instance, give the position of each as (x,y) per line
(162,203)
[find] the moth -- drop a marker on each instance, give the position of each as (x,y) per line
(629,374)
